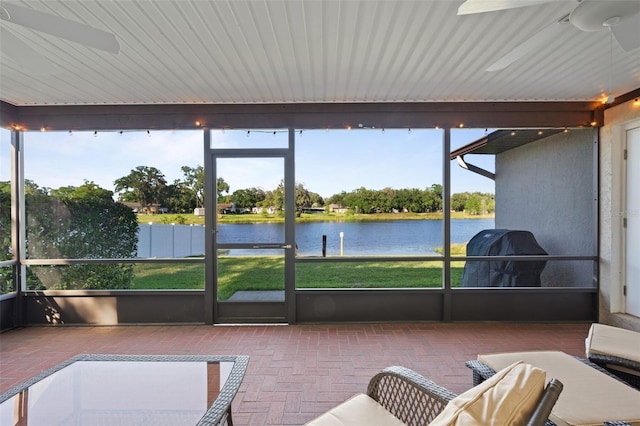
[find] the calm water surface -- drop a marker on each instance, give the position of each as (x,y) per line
(396,237)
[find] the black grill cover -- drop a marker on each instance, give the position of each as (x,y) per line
(503,242)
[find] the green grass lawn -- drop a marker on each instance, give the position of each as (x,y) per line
(168,276)
(267,273)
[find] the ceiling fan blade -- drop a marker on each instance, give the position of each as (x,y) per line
(59,27)
(481,6)
(24,56)
(535,42)
(627,32)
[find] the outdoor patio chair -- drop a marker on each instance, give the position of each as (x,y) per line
(591,395)
(400,396)
(615,349)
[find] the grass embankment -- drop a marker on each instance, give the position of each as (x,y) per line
(267,273)
(190,219)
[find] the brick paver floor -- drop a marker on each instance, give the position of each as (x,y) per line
(295,371)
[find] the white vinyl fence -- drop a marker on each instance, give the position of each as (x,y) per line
(170,240)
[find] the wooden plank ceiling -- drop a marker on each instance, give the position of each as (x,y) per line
(306,51)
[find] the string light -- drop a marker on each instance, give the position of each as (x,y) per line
(461,125)
(43,129)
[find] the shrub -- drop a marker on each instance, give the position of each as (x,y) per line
(87,227)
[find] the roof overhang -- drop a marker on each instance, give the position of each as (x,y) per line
(503,140)
(304,116)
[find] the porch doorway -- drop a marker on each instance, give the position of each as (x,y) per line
(632,229)
(251,266)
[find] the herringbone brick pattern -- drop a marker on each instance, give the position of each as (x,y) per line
(299,371)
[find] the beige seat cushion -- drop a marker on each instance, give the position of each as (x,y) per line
(359,410)
(606,340)
(507,398)
(589,397)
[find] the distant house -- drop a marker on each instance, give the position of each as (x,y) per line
(226,208)
(150,209)
(313,209)
(258,210)
(337,208)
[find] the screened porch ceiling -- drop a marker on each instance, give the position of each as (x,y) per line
(305,51)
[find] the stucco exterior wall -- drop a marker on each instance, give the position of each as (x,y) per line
(547,187)
(610,214)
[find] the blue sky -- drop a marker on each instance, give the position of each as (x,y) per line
(327,162)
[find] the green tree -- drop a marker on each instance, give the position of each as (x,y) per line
(386,198)
(338,199)
(6,274)
(88,191)
(178,198)
(5,221)
(363,200)
(194,181)
(79,223)
(275,198)
(316,199)
(474,204)
(221,188)
(458,201)
(433,202)
(146,184)
(248,198)
(303,197)
(410,199)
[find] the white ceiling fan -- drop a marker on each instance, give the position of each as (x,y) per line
(24,55)
(621,17)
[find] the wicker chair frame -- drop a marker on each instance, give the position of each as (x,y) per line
(607,361)
(416,400)
(481,372)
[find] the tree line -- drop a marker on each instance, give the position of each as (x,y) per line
(148,186)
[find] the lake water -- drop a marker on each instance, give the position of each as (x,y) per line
(395,237)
